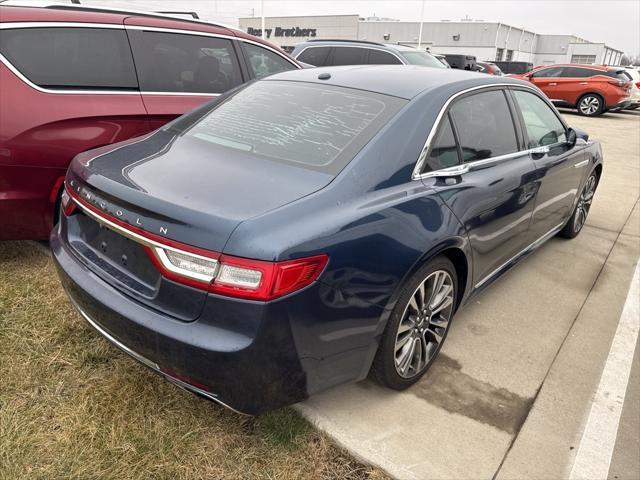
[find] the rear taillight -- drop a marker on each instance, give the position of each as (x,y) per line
(239,277)
(638,84)
(212,271)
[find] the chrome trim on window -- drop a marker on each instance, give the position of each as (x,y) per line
(416,175)
(106,91)
(215,35)
(533,245)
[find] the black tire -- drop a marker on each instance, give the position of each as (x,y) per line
(581,211)
(590,105)
(425,330)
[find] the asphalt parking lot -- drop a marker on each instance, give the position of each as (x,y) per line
(517,381)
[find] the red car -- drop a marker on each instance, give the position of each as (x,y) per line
(591,89)
(74,78)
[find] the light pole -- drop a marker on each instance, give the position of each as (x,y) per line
(421,22)
(262,14)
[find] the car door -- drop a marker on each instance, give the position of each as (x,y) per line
(546,79)
(180,70)
(559,166)
(66,88)
(477,165)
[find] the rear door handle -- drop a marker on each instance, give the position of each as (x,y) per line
(584,83)
(553,83)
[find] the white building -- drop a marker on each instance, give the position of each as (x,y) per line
(485,40)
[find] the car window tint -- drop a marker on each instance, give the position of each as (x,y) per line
(320,127)
(578,72)
(174,62)
(422,58)
(264,62)
(348,56)
(87,58)
(549,72)
(315,56)
(378,57)
(542,125)
(444,151)
(484,126)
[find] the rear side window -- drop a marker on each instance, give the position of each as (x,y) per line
(174,62)
(549,72)
(484,126)
(541,123)
(78,58)
(316,56)
(579,72)
(378,57)
(264,62)
(348,56)
(320,127)
(443,152)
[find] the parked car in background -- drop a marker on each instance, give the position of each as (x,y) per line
(462,62)
(514,67)
(442,59)
(317,226)
(75,78)
(323,53)
(591,89)
(489,68)
(634,75)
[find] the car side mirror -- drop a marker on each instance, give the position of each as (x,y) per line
(575,136)
(572,138)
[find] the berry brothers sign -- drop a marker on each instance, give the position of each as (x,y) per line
(283,32)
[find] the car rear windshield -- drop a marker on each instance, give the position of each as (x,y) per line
(320,127)
(422,58)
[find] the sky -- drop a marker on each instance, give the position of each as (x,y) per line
(614,22)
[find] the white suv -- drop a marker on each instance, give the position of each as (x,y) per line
(634,73)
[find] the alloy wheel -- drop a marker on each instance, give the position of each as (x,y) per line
(589,105)
(584,203)
(424,324)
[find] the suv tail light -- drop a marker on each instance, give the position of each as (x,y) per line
(68,206)
(638,84)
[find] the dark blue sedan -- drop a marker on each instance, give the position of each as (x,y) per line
(318,226)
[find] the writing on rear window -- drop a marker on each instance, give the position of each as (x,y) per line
(318,126)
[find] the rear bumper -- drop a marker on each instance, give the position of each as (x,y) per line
(250,368)
(619,106)
(246,355)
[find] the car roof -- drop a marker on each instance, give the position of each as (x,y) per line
(404,81)
(45,11)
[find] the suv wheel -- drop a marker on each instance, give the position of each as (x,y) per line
(418,325)
(590,105)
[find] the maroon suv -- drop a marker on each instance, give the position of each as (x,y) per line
(75,78)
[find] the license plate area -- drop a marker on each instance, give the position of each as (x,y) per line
(113,256)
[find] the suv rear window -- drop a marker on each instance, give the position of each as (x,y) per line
(71,57)
(320,127)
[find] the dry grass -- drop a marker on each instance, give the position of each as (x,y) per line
(72,406)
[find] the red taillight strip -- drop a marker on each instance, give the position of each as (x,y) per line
(137,234)
(277,278)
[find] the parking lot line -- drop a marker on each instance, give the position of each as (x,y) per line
(599,436)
